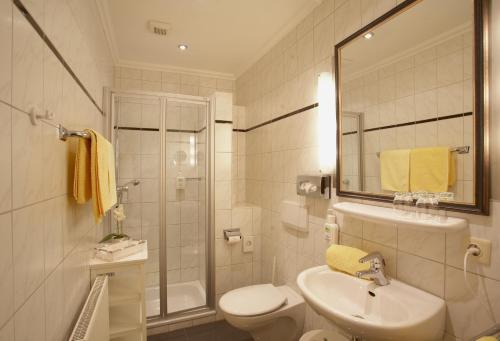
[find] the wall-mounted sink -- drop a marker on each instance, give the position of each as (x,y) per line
(393,312)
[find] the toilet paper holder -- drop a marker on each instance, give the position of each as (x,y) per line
(232,233)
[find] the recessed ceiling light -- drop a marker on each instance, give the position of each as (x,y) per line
(368,35)
(182,47)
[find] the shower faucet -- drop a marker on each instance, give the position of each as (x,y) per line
(124,189)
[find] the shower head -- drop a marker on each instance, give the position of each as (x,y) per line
(134,182)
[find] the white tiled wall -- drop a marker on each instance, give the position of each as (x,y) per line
(127,78)
(276,153)
(46,237)
(428,84)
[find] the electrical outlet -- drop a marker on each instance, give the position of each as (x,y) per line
(485,246)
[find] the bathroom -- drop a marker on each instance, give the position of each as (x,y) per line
(253,147)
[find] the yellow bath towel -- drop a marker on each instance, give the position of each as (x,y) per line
(395,170)
(431,169)
(102,171)
(82,188)
(346,259)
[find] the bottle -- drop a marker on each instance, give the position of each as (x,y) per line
(331,227)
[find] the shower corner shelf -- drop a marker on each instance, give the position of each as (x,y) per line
(127,304)
(387,215)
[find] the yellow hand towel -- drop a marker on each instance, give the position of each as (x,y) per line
(431,169)
(102,170)
(82,189)
(487,338)
(395,170)
(346,259)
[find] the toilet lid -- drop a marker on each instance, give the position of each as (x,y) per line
(252,300)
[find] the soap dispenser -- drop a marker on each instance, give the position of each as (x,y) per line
(331,227)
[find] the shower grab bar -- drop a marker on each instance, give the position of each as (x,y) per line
(458,150)
(65,133)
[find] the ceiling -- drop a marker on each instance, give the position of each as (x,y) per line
(224,36)
(423,24)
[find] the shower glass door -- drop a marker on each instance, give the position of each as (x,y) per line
(186,228)
(162,154)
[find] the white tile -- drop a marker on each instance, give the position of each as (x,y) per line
(53,233)
(470,313)
(27,69)
(131,73)
(450,68)
(5,158)
(223,166)
(425,76)
(28,250)
(150,142)
(222,194)
(54,307)
(347,19)
(189,257)
(223,106)
(451,99)
(150,214)
(7,331)
(173,258)
(382,234)
(150,166)
(421,273)
(5,53)
(29,321)
(425,244)
(323,39)
(6,269)
(27,161)
(223,137)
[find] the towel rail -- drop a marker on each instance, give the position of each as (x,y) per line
(458,150)
(65,133)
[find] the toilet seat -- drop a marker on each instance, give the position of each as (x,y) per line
(252,300)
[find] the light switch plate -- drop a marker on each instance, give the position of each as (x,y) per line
(248,242)
(485,246)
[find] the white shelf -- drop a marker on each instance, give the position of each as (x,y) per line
(122,329)
(385,215)
(137,258)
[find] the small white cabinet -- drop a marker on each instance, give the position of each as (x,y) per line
(127,304)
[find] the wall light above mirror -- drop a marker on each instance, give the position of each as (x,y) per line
(412,105)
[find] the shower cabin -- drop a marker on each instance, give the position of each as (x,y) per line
(164,154)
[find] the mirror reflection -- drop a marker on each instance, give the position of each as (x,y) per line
(406,104)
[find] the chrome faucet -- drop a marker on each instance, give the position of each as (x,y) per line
(376,271)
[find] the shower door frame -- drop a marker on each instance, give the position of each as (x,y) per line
(208,309)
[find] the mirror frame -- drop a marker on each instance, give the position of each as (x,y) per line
(481,111)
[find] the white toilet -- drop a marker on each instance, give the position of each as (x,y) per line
(267,312)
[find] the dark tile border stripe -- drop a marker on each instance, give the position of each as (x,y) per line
(279,118)
(51,46)
(136,128)
(156,129)
(441,118)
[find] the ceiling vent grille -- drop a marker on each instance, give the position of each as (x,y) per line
(158,27)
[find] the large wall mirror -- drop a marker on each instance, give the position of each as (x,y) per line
(412,105)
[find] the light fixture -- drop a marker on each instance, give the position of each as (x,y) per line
(327,125)
(182,47)
(368,35)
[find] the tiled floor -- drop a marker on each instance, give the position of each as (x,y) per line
(217,331)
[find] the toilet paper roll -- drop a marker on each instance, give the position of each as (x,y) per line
(233,239)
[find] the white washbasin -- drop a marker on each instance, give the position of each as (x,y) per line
(393,312)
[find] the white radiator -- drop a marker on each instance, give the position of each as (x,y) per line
(93,322)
